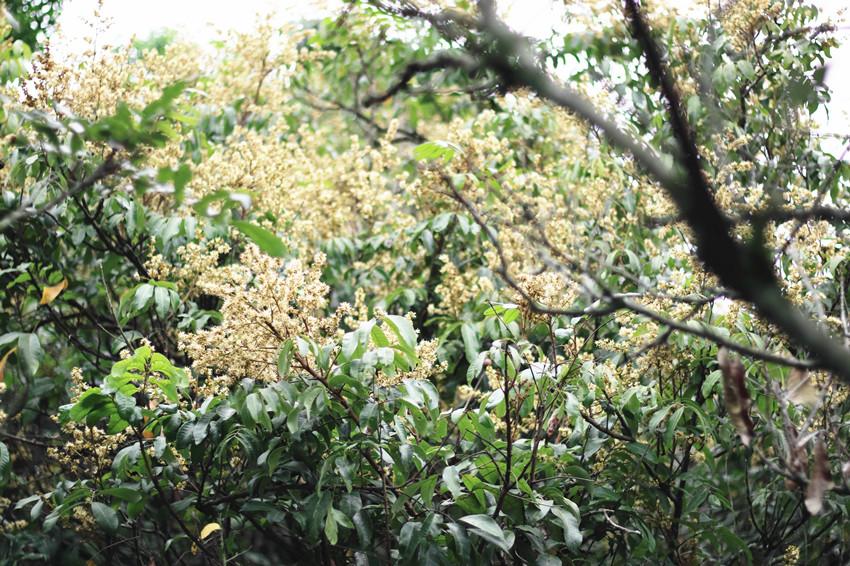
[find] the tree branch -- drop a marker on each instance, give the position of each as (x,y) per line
(106,168)
(444,60)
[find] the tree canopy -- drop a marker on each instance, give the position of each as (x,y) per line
(405,286)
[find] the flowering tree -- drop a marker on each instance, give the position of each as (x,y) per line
(405,286)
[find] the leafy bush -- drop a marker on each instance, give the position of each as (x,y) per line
(376,289)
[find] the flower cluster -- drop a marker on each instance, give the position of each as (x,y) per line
(265,301)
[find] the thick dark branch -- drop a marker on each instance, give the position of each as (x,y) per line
(814,213)
(612,302)
(439,61)
(373,128)
(746,269)
(105,169)
(743,268)
(826,213)
(811,31)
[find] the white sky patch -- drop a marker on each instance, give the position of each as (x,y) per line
(197,21)
(201,21)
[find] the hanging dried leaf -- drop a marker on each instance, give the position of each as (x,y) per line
(800,388)
(821,480)
(554,423)
(796,460)
(735,394)
(147,433)
(49,294)
(3,361)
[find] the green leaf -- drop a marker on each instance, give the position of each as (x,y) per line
(229,199)
(451,478)
(470,342)
(284,359)
(254,405)
(432,150)
(330,528)
(672,424)
(127,408)
(363,526)
(9,338)
(658,416)
(123,493)
(426,489)
(5,463)
(162,301)
(734,542)
(181,177)
(569,524)
(264,239)
(458,533)
(143,296)
(487,528)
(91,400)
(710,383)
(475,367)
(201,428)
(403,329)
(30,352)
(27,500)
(185,434)
(800,90)
(341,518)
(35,512)
(105,516)
(746,69)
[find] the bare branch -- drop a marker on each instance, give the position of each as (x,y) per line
(439,61)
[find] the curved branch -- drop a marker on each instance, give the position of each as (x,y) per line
(439,61)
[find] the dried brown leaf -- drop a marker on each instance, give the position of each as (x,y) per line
(796,460)
(821,480)
(735,394)
(801,390)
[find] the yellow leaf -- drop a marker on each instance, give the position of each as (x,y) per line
(209,529)
(50,293)
(3,362)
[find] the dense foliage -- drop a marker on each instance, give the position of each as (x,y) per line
(361,291)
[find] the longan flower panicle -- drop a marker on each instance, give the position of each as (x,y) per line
(547,290)
(265,301)
(315,193)
(92,83)
(89,450)
(458,288)
(193,260)
(743,18)
(427,367)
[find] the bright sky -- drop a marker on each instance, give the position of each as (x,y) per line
(202,20)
